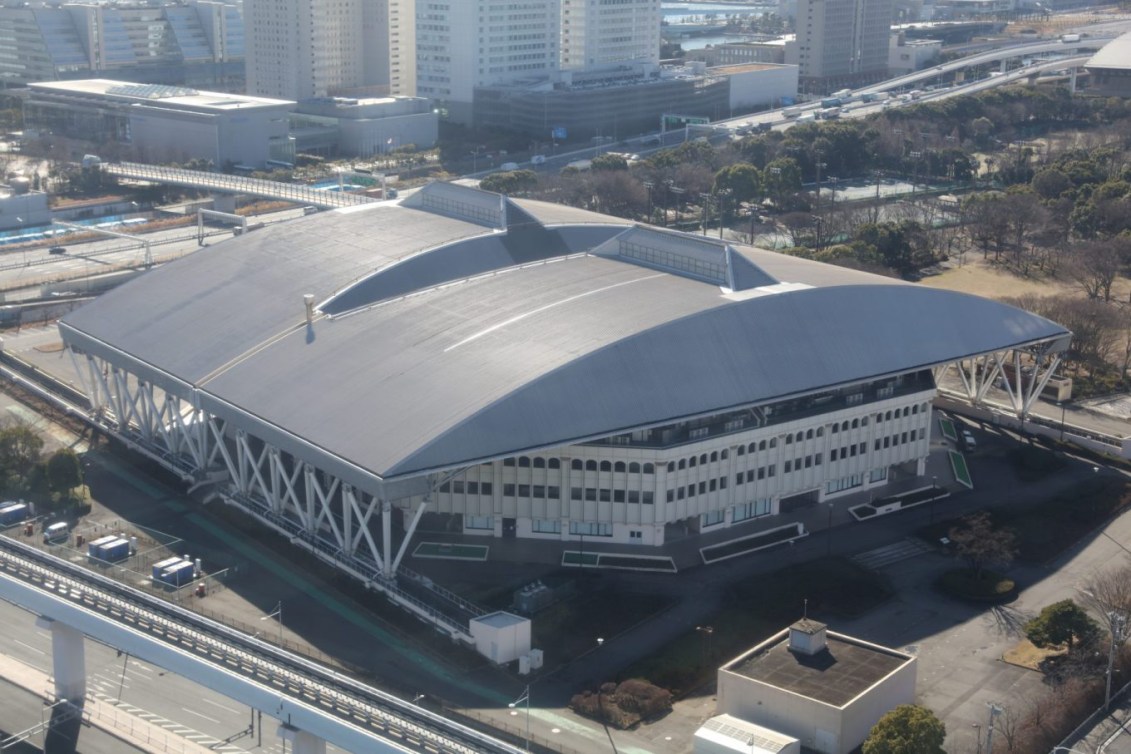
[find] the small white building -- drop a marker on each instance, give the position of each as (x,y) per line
(724,734)
(910,55)
(823,688)
(756,84)
(501,637)
(362,127)
(21,207)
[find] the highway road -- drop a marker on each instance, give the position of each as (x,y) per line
(169,701)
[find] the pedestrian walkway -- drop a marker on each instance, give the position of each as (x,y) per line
(144,735)
(884,556)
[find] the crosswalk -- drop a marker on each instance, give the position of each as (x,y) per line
(888,554)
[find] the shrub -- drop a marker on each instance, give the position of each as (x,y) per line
(623,705)
(964,583)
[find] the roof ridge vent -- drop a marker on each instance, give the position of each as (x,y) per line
(697,257)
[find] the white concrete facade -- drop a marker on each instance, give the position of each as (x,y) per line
(600,33)
(621,493)
(471,43)
(754,85)
(296,49)
(818,725)
(840,40)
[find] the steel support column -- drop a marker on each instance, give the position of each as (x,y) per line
(68,660)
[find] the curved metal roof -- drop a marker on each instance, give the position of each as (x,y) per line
(452,343)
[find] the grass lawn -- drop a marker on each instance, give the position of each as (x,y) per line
(948,430)
(961,473)
(445,551)
(750,544)
(756,610)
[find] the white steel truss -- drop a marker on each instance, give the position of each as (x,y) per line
(1022,373)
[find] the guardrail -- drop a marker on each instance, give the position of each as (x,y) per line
(335,696)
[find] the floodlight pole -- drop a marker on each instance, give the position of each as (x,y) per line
(524,698)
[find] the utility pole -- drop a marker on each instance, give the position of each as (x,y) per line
(995,710)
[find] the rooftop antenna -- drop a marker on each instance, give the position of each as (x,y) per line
(805,609)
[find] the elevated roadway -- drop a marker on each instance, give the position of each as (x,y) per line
(307,699)
(236,184)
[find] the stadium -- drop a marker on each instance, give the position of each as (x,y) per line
(523,369)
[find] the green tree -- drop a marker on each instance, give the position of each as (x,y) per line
(1063,623)
(982,545)
(742,179)
(608,161)
(64,472)
(20,449)
(907,729)
(782,176)
(510,182)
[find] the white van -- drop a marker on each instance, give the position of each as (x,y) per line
(538,159)
(509,166)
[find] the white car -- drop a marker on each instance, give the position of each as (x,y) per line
(968,441)
(538,159)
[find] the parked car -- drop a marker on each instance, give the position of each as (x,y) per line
(651,141)
(57,250)
(538,159)
(968,442)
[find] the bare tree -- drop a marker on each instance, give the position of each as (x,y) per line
(1108,594)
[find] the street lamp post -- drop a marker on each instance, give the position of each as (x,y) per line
(524,698)
(705,199)
(276,613)
(1061,404)
(934,496)
(1117,621)
(648,186)
(829,530)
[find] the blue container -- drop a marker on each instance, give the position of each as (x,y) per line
(179,574)
(160,567)
(94,547)
(13,513)
(115,551)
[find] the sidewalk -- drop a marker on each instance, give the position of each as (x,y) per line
(138,733)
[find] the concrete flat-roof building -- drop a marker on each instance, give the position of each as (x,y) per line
(362,127)
(528,369)
(158,123)
(825,689)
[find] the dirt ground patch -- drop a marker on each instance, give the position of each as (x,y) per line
(990,281)
(1025,655)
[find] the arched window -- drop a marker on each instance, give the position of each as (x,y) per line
(820,431)
(590,465)
(648,468)
(741,450)
(703,458)
(555,463)
(844,426)
(671,465)
(682,463)
(855,423)
(634,468)
(723,454)
(539,463)
(714,456)
(773,442)
(523,462)
(619,466)
(887,416)
(576,464)
(789,439)
(809,435)
(692,461)
(761,446)
(606,466)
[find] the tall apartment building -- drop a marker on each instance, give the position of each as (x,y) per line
(302,49)
(464,44)
(842,42)
(599,33)
(198,44)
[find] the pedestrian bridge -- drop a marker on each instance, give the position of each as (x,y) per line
(313,704)
(235,184)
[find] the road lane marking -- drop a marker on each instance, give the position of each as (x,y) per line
(28,646)
(201,714)
(223,707)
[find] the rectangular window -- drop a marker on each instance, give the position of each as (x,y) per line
(618,496)
(478,522)
(702,488)
(484,488)
(590,529)
(524,490)
(671,496)
(546,525)
(713,486)
(712,518)
(553,492)
(457,487)
(752,509)
(738,478)
(878,475)
(538,491)
(606,495)
(574,493)
(691,490)
(508,490)
(722,483)
(788,467)
(773,469)
(591,494)
(649,497)
(634,496)
(679,494)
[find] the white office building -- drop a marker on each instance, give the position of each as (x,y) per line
(600,33)
(842,42)
(303,49)
(475,43)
